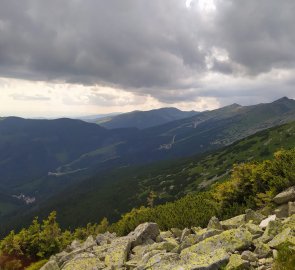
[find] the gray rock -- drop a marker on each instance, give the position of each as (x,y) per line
(282,211)
(264,223)
(254,216)
(105,238)
(285,196)
(143,232)
(291,208)
(286,235)
(117,253)
(237,263)
(249,256)
(214,223)
(185,233)
(233,223)
(262,250)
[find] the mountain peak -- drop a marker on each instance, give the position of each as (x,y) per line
(283,99)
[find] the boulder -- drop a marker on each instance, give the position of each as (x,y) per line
(215,224)
(285,196)
(287,235)
(264,223)
(254,216)
(282,211)
(176,232)
(86,261)
(184,233)
(50,265)
(230,241)
(117,253)
(105,238)
(89,243)
(212,260)
(237,263)
(291,208)
(144,232)
(273,228)
(164,261)
(233,223)
(262,250)
(249,256)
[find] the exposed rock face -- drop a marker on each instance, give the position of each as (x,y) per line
(238,243)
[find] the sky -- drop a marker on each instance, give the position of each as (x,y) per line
(84,57)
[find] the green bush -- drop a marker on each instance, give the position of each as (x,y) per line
(36,265)
(286,258)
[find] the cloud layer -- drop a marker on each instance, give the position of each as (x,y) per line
(171,50)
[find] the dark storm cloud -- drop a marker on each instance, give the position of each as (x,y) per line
(151,47)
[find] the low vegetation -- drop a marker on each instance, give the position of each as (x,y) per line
(251,185)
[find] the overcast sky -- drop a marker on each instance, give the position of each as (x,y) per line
(79,57)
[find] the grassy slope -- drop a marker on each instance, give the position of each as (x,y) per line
(113,193)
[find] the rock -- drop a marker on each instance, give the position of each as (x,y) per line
(105,238)
(264,223)
(75,245)
(144,232)
(273,228)
(164,261)
(285,236)
(166,234)
(275,254)
(50,265)
(291,208)
(249,256)
(230,241)
(285,196)
(184,233)
(233,223)
(212,260)
(237,263)
(214,224)
(262,250)
(84,261)
(117,253)
(254,216)
(89,243)
(176,232)
(167,245)
(254,229)
(282,211)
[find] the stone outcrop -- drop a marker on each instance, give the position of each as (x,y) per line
(248,241)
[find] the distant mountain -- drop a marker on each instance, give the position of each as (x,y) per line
(117,191)
(95,117)
(144,119)
(39,158)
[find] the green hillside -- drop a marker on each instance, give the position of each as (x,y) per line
(110,194)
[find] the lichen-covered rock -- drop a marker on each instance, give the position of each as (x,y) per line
(237,263)
(262,250)
(184,233)
(287,235)
(291,208)
(86,261)
(144,232)
(117,253)
(168,245)
(253,228)
(249,256)
(212,260)
(233,223)
(229,241)
(254,216)
(214,224)
(164,261)
(105,238)
(264,223)
(282,211)
(285,196)
(273,228)
(176,232)
(89,243)
(51,265)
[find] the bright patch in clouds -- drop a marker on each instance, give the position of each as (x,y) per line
(44,99)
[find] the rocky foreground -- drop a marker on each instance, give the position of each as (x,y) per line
(248,241)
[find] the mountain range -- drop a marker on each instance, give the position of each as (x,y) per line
(40,159)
